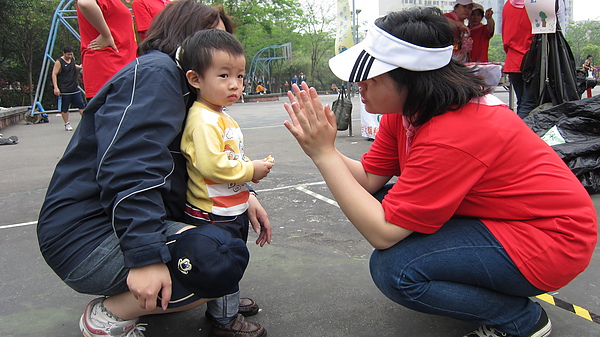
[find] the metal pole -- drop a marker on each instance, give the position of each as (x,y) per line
(355,38)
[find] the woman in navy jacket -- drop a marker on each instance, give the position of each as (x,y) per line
(119,189)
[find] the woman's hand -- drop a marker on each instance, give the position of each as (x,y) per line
(145,283)
(102,42)
(313,125)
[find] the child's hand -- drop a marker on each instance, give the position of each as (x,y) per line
(261,169)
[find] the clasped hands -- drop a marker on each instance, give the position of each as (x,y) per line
(313,125)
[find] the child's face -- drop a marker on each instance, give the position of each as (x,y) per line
(223,82)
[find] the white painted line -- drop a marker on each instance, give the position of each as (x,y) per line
(318,196)
(300,187)
(19,225)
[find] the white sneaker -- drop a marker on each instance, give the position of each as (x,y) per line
(96,322)
(68,127)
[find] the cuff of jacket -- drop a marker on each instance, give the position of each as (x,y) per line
(147,255)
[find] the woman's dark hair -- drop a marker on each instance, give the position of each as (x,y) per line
(177,21)
(431,93)
(197,50)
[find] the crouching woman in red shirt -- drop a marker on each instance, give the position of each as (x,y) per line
(483,215)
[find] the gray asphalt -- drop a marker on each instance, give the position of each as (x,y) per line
(313,280)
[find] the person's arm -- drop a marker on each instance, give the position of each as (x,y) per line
(370,182)
(204,150)
(55,71)
(315,129)
(457,25)
(135,167)
(92,12)
(259,219)
(491,24)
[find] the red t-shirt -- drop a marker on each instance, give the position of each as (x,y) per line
(144,11)
(483,161)
(481,43)
(516,36)
(455,34)
(100,65)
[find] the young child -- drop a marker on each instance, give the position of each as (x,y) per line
(212,143)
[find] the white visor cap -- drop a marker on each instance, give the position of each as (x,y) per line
(381,52)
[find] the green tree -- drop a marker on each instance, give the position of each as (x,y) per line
(496,51)
(581,34)
(266,23)
(593,50)
(317,30)
(25,28)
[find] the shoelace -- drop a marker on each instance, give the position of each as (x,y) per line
(484,331)
(136,331)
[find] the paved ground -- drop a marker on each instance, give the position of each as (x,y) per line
(311,281)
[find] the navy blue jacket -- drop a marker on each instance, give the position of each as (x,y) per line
(122,173)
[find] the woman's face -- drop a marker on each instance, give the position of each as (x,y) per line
(382,95)
(475,18)
(463,11)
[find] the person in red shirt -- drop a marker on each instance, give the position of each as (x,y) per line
(516,38)
(484,214)
(107,41)
(480,33)
(143,13)
(461,34)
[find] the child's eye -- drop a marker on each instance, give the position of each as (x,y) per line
(241,77)
(223,75)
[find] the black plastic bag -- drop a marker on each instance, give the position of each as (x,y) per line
(342,108)
(578,123)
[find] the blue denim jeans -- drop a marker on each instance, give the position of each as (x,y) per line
(526,100)
(103,272)
(461,271)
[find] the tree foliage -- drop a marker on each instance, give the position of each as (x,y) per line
(24,25)
(583,38)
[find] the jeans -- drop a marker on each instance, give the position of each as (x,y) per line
(526,101)
(461,271)
(103,272)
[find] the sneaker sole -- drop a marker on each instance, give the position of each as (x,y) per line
(83,328)
(545,331)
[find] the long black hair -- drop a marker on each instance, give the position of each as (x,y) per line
(431,93)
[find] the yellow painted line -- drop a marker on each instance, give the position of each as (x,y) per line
(577,310)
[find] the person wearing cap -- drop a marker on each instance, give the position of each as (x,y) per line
(483,215)
(461,33)
(118,192)
(480,33)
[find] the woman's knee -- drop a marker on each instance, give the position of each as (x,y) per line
(396,278)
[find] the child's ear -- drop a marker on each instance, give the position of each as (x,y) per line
(193,78)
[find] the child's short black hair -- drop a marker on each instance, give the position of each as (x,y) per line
(68,49)
(197,50)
